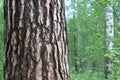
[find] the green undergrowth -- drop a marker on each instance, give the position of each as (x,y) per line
(88,75)
(1,71)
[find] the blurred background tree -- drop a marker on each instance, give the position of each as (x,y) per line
(1,39)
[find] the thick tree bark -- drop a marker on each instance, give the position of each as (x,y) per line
(35,40)
(109,35)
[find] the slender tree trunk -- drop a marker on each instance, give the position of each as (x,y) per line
(79,41)
(35,40)
(109,35)
(75,55)
(94,65)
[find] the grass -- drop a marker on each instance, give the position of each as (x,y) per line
(88,75)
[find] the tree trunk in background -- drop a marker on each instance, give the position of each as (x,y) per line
(35,40)
(109,35)
(75,55)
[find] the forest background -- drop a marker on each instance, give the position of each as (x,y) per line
(85,22)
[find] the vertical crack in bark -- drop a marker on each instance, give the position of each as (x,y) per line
(44,61)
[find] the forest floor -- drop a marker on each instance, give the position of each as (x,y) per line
(87,76)
(74,76)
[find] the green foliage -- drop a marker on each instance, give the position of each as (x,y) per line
(88,75)
(87,26)
(1,40)
(1,71)
(1,32)
(116,59)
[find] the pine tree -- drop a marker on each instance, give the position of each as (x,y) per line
(35,40)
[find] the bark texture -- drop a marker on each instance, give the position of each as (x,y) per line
(35,40)
(109,35)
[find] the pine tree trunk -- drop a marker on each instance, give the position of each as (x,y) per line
(35,40)
(109,35)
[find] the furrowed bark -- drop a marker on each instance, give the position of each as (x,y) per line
(35,40)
